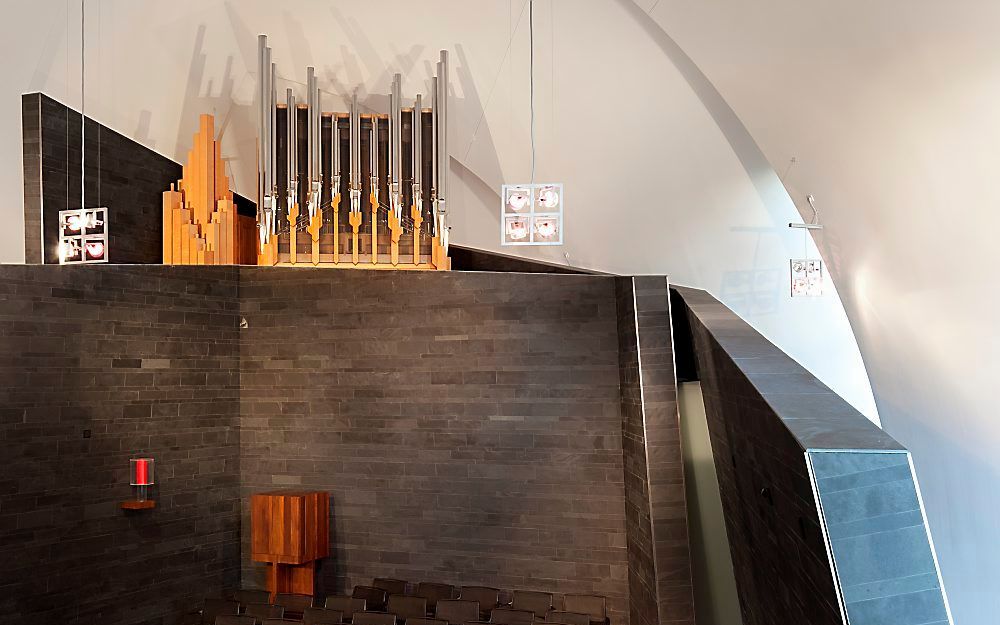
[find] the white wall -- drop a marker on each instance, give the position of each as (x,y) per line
(891,111)
(661,176)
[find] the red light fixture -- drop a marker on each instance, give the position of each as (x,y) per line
(141,477)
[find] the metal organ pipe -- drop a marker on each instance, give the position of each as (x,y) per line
(373,151)
(416,127)
(314,179)
(355,127)
(293,153)
(435,170)
(397,143)
(443,147)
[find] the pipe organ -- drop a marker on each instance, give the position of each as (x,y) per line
(351,189)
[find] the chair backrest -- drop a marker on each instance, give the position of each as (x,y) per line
(435,592)
(457,611)
(425,621)
(215,607)
(251,595)
(346,605)
(292,602)
(279,621)
(264,610)
(594,606)
(322,616)
(373,618)
(488,598)
(533,601)
(374,597)
(391,586)
(567,618)
(407,607)
(510,616)
(235,619)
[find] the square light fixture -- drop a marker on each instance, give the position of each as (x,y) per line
(83,236)
(532,214)
(807,277)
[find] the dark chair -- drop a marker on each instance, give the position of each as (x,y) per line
(510,616)
(407,607)
(292,602)
(249,595)
(567,618)
(592,605)
(533,601)
(435,592)
(374,618)
(322,616)
(457,611)
(391,586)
(487,598)
(374,597)
(235,619)
(280,621)
(217,607)
(425,621)
(345,605)
(264,610)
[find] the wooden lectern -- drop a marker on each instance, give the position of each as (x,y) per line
(290,530)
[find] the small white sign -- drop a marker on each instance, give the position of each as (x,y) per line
(531,214)
(807,277)
(83,236)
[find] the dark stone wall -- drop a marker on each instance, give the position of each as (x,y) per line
(777,547)
(99,364)
(121,174)
(660,587)
(466,425)
(471,259)
(779,436)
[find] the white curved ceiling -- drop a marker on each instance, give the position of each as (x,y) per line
(890,110)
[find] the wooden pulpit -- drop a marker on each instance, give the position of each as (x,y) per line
(290,530)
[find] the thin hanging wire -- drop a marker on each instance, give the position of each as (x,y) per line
(83,104)
(496,79)
(531,59)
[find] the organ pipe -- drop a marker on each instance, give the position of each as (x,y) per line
(417,160)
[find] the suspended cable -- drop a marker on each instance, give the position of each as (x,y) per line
(83,103)
(531,72)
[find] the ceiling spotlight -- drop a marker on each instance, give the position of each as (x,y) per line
(545,228)
(517,229)
(518,199)
(548,197)
(95,249)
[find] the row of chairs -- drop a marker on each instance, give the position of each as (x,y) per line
(377,597)
(390,601)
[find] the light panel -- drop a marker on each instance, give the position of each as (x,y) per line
(531,214)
